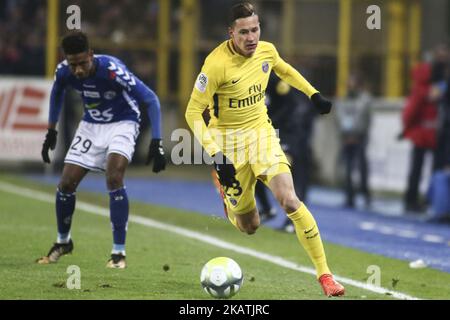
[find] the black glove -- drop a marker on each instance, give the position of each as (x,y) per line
(225,169)
(49,143)
(156,151)
(401,136)
(322,105)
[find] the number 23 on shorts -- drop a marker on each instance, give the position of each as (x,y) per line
(236,187)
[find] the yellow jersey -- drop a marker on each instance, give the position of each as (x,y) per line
(233,87)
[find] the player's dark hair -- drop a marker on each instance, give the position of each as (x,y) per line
(240,10)
(75,42)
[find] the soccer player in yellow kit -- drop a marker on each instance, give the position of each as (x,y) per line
(240,137)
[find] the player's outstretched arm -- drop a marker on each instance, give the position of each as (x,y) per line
(56,101)
(194,119)
(291,76)
(155,151)
(224,167)
(146,96)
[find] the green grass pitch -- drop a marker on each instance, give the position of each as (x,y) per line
(28,228)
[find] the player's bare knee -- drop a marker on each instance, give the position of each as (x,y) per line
(67,185)
(290,202)
(251,228)
(114,180)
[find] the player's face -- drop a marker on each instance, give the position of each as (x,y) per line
(245,34)
(81,64)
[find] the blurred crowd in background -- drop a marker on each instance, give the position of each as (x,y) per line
(22,45)
(23,26)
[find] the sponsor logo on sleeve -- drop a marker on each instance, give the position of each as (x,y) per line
(265,66)
(202,82)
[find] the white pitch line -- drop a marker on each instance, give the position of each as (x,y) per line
(404,233)
(45,197)
(367,225)
(433,238)
(386,230)
(407,234)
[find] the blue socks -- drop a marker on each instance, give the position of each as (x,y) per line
(65,206)
(118,204)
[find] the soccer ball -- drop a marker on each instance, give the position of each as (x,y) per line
(221,277)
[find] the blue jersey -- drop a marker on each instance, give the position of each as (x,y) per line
(112,94)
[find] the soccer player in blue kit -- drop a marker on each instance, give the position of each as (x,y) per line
(105,138)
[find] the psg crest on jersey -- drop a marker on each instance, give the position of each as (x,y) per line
(265,66)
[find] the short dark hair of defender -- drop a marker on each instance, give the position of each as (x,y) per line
(240,10)
(75,42)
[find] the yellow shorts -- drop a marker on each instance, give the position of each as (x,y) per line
(264,159)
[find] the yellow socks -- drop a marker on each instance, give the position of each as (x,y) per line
(309,237)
